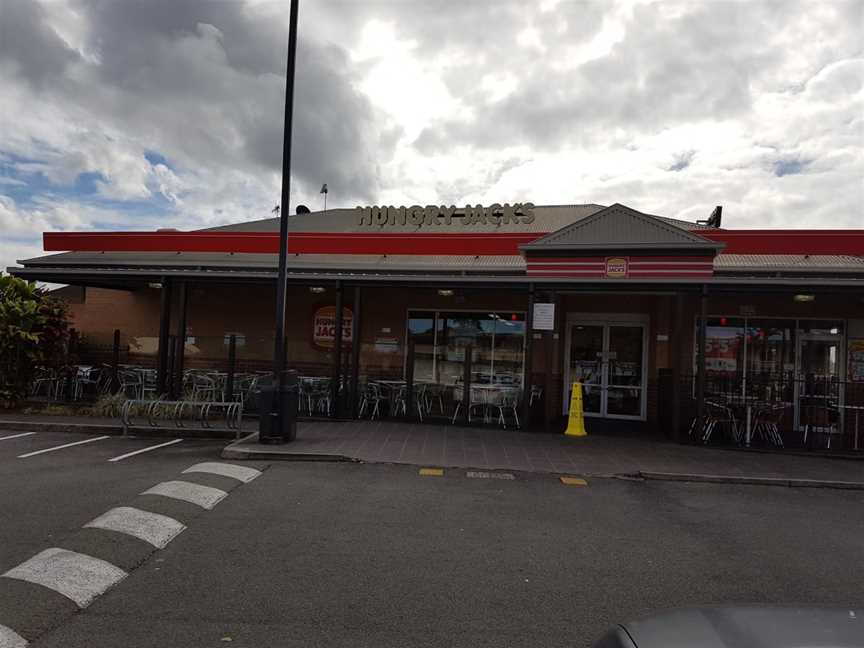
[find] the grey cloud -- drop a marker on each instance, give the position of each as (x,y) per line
(789,166)
(699,66)
(203,83)
(682,161)
(36,50)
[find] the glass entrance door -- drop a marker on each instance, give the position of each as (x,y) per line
(586,365)
(608,358)
(819,394)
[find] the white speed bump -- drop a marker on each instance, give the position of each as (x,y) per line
(11,639)
(75,575)
(204,496)
(154,528)
(240,473)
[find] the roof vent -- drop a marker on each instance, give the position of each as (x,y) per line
(302,209)
(714,219)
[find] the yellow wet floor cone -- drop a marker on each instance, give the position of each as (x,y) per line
(576,420)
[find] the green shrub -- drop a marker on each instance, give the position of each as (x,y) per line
(34,331)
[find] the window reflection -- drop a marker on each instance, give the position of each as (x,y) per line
(497,341)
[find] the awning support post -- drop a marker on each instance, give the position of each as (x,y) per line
(355,353)
(164,333)
(700,356)
(180,342)
(337,354)
(529,363)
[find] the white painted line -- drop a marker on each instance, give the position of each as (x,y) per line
(204,496)
(74,575)
(16,436)
(154,528)
(147,449)
(60,447)
(240,473)
(9,638)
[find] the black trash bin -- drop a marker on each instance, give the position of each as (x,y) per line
(270,428)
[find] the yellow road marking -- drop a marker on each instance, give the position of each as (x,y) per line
(432,472)
(573,481)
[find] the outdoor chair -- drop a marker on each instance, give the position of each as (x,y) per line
(717,416)
(827,423)
(504,401)
(85,378)
(204,388)
(320,397)
(131,383)
(536,394)
(767,423)
(372,399)
(433,393)
(46,382)
(401,400)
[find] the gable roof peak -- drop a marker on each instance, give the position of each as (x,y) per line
(619,227)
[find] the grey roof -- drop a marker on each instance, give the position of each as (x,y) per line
(126,277)
(548,218)
(788,263)
(620,228)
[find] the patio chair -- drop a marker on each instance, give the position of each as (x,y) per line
(131,383)
(828,425)
(320,397)
(85,378)
(536,394)
(505,400)
(204,388)
(401,400)
(433,393)
(717,416)
(767,423)
(372,398)
(45,381)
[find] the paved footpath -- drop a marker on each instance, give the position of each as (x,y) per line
(446,445)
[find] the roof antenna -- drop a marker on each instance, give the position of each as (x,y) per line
(714,219)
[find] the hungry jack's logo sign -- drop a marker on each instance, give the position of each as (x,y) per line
(617,267)
(435,215)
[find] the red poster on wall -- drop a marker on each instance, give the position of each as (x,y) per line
(324,327)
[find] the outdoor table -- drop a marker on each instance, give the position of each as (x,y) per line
(858,409)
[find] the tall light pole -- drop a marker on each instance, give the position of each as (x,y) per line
(276,414)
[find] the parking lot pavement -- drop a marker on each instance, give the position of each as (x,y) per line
(389,555)
(57,556)
(52,483)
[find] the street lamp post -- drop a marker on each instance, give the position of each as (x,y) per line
(277,415)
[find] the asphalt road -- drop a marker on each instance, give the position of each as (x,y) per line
(314,554)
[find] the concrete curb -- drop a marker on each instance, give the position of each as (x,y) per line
(263,454)
(750,481)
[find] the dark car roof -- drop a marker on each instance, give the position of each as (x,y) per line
(744,627)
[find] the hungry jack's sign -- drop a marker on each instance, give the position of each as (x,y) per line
(443,216)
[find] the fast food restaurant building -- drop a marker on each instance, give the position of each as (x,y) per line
(542,296)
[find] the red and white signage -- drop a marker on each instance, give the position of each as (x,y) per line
(646,267)
(324,327)
(616,267)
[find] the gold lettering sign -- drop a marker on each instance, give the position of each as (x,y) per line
(434,216)
(616,267)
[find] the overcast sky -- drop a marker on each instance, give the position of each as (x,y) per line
(138,114)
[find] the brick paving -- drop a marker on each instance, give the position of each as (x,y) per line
(471,447)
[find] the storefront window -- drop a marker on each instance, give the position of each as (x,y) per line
(724,347)
(497,341)
(770,348)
